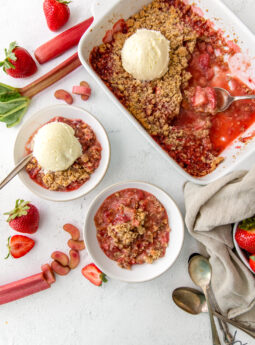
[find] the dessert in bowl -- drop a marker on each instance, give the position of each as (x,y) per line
(177,111)
(133,231)
(70,149)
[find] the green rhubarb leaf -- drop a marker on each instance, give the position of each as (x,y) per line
(247,224)
(13,106)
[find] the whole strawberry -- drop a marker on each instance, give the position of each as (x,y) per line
(245,234)
(56,12)
(18,62)
(24,218)
(252,262)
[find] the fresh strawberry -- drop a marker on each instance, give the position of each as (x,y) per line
(246,239)
(94,275)
(252,262)
(56,12)
(18,62)
(19,246)
(24,218)
(245,235)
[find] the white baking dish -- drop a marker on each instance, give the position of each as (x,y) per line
(226,20)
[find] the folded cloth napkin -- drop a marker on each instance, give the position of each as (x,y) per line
(210,211)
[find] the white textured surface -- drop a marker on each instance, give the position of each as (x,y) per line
(73,311)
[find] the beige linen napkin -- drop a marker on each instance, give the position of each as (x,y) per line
(210,211)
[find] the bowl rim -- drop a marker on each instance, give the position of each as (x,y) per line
(143,183)
(77,108)
(239,249)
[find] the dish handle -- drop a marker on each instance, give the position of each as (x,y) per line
(100,7)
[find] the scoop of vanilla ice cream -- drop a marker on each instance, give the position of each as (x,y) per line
(55,147)
(145,55)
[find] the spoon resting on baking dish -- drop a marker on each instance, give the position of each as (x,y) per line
(224,99)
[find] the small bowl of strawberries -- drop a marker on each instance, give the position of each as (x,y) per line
(244,241)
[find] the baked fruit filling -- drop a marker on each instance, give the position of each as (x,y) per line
(132,227)
(178,109)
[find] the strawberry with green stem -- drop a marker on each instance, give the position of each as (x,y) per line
(24,217)
(18,63)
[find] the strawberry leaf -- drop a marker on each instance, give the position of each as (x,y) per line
(103,278)
(21,208)
(64,2)
(252,258)
(247,224)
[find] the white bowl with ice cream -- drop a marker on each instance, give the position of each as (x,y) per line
(63,149)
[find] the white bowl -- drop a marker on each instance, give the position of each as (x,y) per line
(40,118)
(144,272)
(240,251)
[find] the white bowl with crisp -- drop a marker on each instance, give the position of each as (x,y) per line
(42,117)
(143,272)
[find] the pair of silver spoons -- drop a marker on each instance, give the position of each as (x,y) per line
(194,301)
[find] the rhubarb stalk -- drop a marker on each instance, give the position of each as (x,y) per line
(61,43)
(14,102)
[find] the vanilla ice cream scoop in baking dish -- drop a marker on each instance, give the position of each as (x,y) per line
(176,111)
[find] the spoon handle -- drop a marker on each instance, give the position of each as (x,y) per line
(15,170)
(215,336)
(240,98)
(235,324)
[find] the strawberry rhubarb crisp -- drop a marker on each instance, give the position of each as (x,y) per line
(132,227)
(65,154)
(163,64)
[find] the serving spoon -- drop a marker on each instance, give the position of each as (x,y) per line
(16,170)
(200,272)
(193,302)
(224,99)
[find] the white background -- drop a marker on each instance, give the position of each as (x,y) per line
(74,311)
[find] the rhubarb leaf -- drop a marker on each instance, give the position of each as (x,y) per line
(247,224)
(12,105)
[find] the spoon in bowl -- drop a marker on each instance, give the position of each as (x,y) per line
(193,302)
(224,99)
(200,272)
(16,170)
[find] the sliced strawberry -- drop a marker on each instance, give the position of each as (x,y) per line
(200,97)
(204,61)
(93,274)
(252,262)
(19,246)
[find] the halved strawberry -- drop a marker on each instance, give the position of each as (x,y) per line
(19,246)
(252,262)
(93,274)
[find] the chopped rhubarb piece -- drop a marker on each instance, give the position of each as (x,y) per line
(119,26)
(81,90)
(108,36)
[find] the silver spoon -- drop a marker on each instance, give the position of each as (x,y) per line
(16,170)
(193,301)
(200,272)
(224,99)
